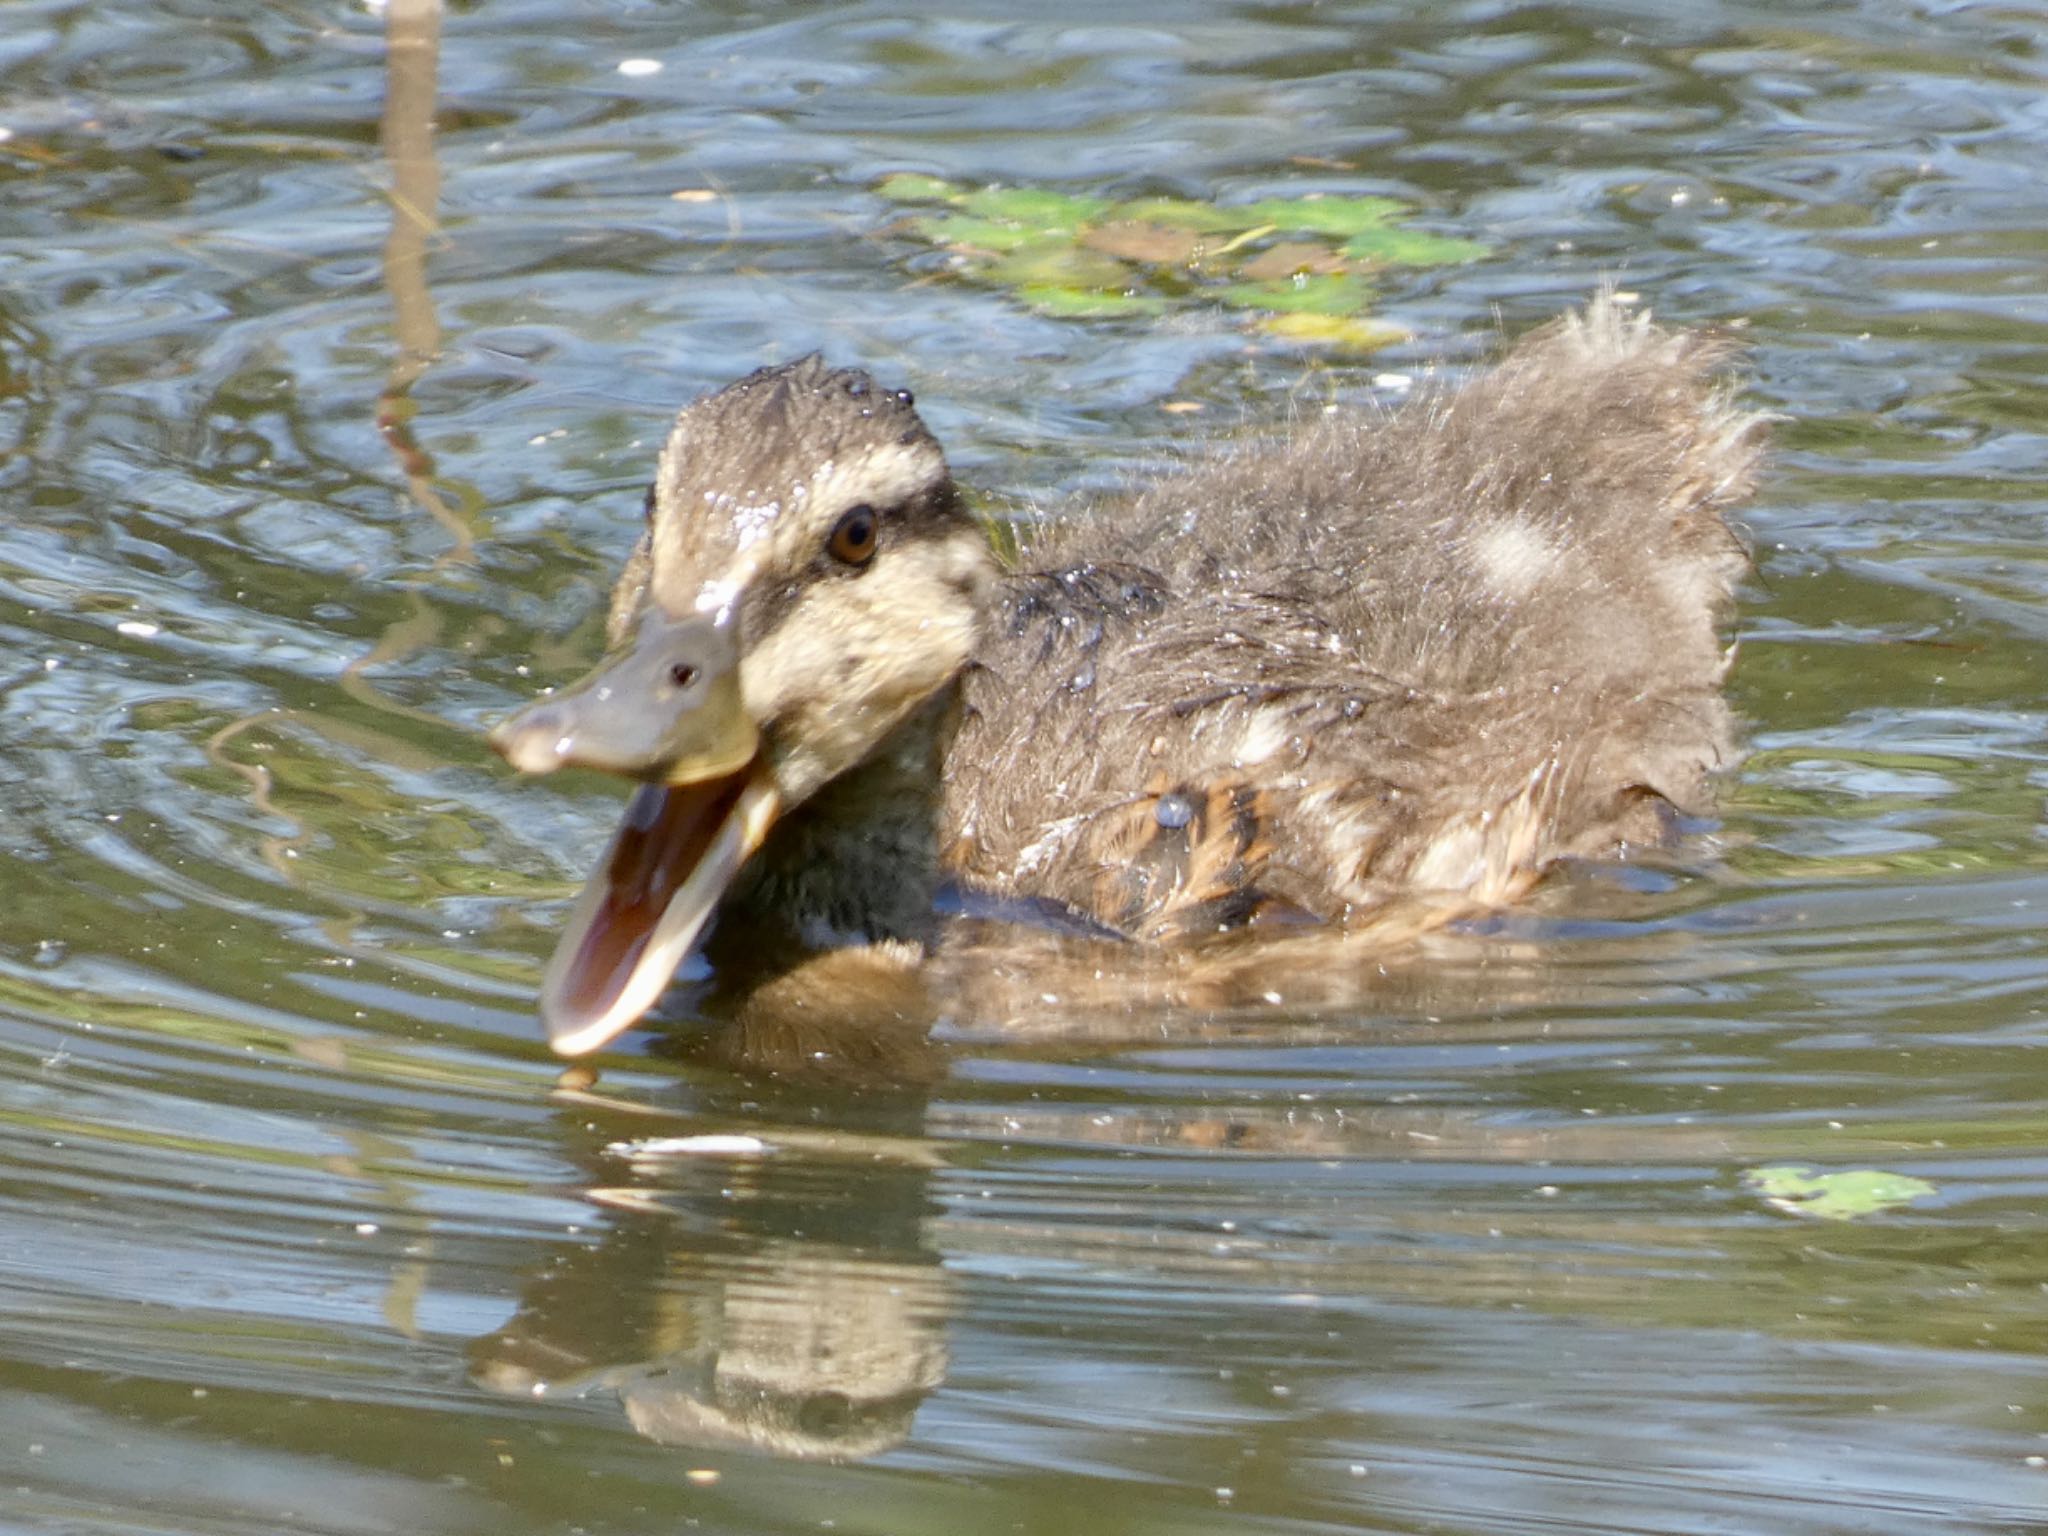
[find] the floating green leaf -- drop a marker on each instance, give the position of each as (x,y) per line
(1034,207)
(1062,265)
(1840,1196)
(1411,248)
(1325,215)
(1323,294)
(1351,333)
(961,229)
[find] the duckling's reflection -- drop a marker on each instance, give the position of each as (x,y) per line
(740,1296)
(766,1294)
(800,1346)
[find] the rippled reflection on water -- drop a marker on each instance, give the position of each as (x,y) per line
(300,1237)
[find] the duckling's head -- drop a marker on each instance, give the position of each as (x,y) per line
(807,579)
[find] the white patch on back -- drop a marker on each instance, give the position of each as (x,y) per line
(1514,558)
(1455,861)
(1265,732)
(1048,842)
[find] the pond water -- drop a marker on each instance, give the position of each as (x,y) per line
(306,481)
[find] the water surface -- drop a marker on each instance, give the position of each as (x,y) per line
(320,438)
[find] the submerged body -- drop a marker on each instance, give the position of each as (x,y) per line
(1396,658)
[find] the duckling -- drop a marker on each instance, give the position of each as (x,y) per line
(1400,658)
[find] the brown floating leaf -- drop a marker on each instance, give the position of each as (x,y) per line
(1155,243)
(1290,257)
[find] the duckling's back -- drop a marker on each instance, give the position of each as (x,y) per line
(1419,654)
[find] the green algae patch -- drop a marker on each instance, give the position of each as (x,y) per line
(1297,271)
(1844,1195)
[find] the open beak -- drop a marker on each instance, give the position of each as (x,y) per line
(665,710)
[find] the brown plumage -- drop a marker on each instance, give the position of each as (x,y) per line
(1397,658)
(1432,651)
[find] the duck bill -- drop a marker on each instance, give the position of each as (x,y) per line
(675,852)
(666,710)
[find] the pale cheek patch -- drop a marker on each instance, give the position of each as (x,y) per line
(847,664)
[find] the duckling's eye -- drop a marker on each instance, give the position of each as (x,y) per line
(682,674)
(853,537)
